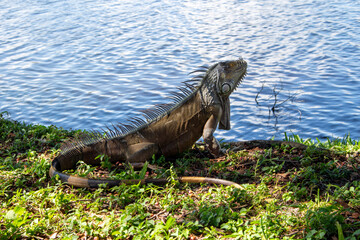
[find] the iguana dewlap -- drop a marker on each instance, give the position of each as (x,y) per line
(169,129)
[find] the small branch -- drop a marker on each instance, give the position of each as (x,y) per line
(257,95)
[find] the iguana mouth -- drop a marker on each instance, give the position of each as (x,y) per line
(242,66)
(243,69)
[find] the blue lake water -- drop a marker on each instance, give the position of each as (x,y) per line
(86,64)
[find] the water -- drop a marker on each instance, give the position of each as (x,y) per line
(85,64)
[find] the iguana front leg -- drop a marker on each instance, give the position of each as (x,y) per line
(210,141)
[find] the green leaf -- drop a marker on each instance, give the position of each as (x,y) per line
(357,232)
(340,231)
(170,222)
(143,170)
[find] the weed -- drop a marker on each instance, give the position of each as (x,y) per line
(287,193)
(321,221)
(105,161)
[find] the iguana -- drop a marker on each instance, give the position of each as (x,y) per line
(168,129)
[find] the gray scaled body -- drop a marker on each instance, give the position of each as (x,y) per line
(169,129)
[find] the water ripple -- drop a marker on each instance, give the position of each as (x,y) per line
(87,64)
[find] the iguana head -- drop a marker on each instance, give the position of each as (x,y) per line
(229,75)
(225,77)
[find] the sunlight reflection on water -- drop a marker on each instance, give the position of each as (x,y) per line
(87,64)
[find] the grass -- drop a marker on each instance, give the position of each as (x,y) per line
(287,193)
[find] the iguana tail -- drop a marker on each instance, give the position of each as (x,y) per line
(75,181)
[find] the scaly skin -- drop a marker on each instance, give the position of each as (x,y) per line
(169,130)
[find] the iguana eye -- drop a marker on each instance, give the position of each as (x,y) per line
(225,88)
